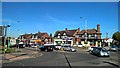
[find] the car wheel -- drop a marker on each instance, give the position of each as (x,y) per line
(90,52)
(70,50)
(46,49)
(99,55)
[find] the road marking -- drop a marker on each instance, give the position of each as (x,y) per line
(67,61)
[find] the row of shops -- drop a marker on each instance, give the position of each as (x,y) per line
(72,42)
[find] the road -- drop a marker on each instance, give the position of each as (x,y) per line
(61,58)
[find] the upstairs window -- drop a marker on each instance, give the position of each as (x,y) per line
(64,34)
(58,37)
(92,35)
(59,34)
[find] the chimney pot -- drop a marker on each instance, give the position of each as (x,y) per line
(66,29)
(98,27)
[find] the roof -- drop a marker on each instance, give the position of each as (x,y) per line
(68,32)
(27,36)
(105,38)
(89,31)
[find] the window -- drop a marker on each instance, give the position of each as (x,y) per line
(32,36)
(77,36)
(36,37)
(58,36)
(95,35)
(92,35)
(64,34)
(82,36)
(89,36)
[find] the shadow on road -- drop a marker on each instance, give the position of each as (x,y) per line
(111,63)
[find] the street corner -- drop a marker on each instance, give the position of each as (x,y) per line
(20,58)
(36,55)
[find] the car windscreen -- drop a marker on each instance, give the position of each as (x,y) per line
(104,50)
(57,45)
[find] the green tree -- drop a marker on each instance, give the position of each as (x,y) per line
(116,36)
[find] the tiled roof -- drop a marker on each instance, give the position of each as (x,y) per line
(89,31)
(28,36)
(41,34)
(105,38)
(68,32)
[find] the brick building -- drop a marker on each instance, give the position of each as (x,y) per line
(89,37)
(1,34)
(35,38)
(66,36)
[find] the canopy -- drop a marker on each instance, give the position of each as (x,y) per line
(37,40)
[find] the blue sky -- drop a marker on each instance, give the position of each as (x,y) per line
(31,17)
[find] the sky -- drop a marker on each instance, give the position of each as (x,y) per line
(31,17)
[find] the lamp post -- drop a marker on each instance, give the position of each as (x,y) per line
(85,26)
(5,29)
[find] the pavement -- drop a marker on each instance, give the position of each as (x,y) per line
(22,54)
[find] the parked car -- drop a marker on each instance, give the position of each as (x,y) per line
(68,48)
(98,51)
(34,45)
(57,47)
(91,48)
(20,46)
(27,45)
(80,45)
(46,48)
(113,48)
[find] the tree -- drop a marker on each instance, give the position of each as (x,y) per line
(116,37)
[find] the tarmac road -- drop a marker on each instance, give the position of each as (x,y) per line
(62,58)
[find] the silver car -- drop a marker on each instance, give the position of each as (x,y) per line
(68,48)
(100,51)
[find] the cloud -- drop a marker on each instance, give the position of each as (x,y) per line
(54,19)
(68,23)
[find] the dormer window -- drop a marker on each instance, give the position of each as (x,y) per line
(33,37)
(59,34)
(77,36)
(36,37)
(85,34)
(64,34)
(22,37)
(89,36)
(95,35)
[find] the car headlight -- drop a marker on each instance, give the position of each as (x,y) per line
(101,53)
(73,49)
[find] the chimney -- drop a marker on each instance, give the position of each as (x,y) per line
(78,30)
(38,32)
(50,35)
(66,29)
(98,27)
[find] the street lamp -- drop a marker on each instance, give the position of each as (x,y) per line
(85,21)
(5,29)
